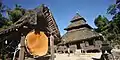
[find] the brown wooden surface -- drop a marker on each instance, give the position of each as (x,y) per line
(22,50)
(52,47)
(37,43)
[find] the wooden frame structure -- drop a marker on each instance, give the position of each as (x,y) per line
(39,18)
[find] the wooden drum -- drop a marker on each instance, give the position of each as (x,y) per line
(36,43)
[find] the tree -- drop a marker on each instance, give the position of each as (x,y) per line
(16,13)
(101,22)
(110,30)
(2,7)
(116,21)
(112,9)
(2,18)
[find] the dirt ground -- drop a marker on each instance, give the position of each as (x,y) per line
(79,56)
(86,56)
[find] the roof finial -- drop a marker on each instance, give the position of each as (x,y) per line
(77,12)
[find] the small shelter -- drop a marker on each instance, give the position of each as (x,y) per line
(41,21)
(82,35)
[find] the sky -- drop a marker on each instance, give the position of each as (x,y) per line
(64,10)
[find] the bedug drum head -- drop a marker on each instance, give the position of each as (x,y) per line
(36,43)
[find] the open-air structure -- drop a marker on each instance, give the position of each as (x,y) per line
(80,34)
(37,24)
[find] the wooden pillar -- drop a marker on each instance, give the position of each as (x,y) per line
(52,46)
(22,48)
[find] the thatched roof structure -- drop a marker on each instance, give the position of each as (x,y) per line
(77,17)
(79,35)
(77,21)
(78,30)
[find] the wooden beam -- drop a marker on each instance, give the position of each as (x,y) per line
(52,46)
(22,48)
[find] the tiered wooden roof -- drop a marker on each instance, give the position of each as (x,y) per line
(77,21)
(78,30)
(79,35)
(77,17)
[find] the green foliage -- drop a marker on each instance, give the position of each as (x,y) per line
(112,9)
(101,22)
(2,7)
(16,13)
(110,30)
(8,23)
(13,16)
(2,18)
(114,26)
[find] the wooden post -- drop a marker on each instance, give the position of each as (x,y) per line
(52,47)
(22,48)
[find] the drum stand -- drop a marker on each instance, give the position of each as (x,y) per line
(22,48)
(52,47)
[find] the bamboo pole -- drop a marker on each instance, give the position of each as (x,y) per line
(22,48)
